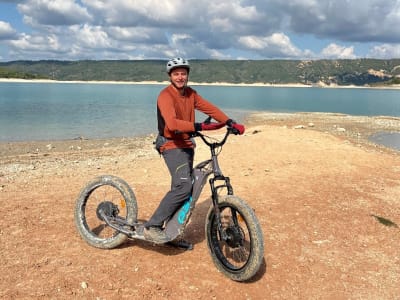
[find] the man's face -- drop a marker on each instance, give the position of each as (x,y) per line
(179,77)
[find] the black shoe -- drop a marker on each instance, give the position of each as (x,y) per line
(182,244)
(155,235)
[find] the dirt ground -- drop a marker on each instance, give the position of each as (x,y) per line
(327,199)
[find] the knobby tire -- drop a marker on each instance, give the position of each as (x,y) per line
(109,189)
(240,261)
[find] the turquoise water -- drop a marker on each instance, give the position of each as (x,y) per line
(57,111)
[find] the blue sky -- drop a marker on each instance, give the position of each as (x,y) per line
(201,29)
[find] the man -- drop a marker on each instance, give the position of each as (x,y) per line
(176,105)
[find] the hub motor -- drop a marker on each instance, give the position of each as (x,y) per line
(108,209)
(235,236)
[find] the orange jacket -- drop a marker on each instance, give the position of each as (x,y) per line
(176,115)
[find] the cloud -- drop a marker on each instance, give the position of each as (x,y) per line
(277,44)
(336,51)
(385,51)
(54,12)
(29,45)
(153,13)
(204,29)
(373,21)
(6,31)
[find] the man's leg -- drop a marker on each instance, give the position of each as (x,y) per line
(180,164)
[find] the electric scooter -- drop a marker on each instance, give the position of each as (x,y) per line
(106,215)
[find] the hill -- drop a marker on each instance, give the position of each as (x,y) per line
(339,72)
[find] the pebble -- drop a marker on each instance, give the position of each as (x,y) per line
(299,127)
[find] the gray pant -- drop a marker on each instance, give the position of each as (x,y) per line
(180,165)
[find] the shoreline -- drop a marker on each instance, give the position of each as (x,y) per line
(356,129)
(256,84)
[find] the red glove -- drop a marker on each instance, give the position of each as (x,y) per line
(208,126)
(237,128)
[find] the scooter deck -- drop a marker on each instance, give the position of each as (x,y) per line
(138,234)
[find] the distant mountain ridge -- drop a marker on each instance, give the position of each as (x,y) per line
(358,72)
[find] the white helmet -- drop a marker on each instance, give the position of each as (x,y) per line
(176,63)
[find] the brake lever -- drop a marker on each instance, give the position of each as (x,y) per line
(233,130)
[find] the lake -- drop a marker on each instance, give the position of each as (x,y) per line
(58,111)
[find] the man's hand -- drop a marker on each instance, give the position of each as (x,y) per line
(237,128)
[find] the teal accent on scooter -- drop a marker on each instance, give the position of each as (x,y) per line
(184,210)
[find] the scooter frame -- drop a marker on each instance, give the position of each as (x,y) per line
(175,226)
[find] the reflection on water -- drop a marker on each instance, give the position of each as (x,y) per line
(388,139)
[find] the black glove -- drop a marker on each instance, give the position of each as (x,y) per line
(237,128)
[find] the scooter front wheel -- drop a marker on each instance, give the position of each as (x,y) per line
(235,243)
(105,196)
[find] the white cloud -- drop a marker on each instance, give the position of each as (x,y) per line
(91,36)
(275,45)
(385,51)
(234,11)
(29,44)
(54,12)
(185,45)
(6,31)
(144,13)
(137,34)
(335,51)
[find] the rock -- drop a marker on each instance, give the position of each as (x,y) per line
(299,127)
(341,129)
(84,285)
(80,138)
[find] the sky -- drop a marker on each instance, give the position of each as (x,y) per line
(199,29)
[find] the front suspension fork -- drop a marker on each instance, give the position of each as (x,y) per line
(214,196)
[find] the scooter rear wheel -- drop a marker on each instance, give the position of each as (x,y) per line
(237,249)
(104,196)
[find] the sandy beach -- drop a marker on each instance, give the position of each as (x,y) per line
(326,197)
(297,85)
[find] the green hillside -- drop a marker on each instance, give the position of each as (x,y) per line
(341,72)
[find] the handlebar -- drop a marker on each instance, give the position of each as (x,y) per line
(214,145)
(229,130)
